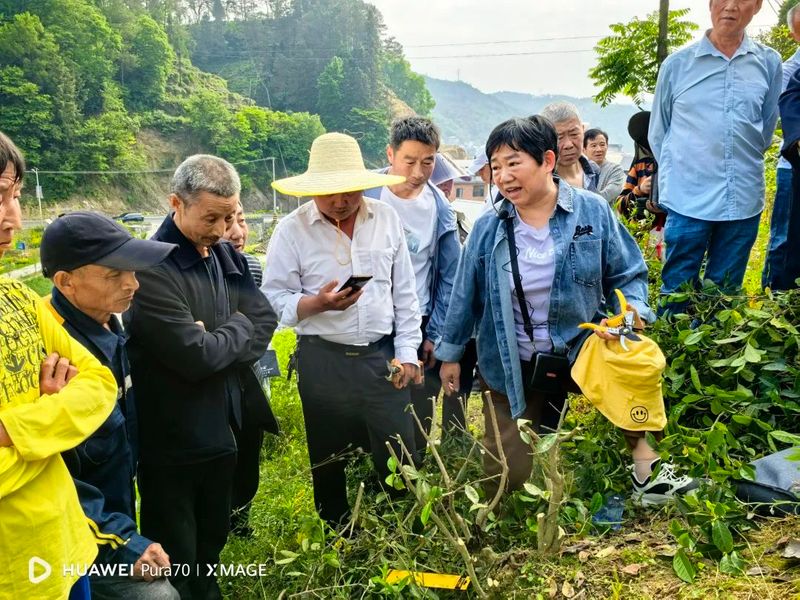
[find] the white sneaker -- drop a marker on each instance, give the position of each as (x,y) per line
(661,489)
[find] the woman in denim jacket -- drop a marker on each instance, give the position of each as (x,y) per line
(572,253)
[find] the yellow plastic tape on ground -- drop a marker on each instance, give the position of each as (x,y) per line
(430,580)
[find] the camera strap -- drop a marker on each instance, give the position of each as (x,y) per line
(523,305)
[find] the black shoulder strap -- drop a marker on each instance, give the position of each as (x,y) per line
(512,251)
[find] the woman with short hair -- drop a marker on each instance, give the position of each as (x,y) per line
(534,275)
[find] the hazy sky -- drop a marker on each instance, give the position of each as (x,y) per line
(423,26)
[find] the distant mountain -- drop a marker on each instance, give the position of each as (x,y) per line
(466,115)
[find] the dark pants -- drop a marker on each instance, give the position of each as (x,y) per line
(186,508)
(775,264)
(544,412)
(454,405)
(245,480)
(348,403)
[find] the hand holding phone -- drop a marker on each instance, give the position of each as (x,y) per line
(355,283)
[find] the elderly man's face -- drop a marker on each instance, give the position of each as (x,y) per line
(205,218)
(730,17)
(339,207)
(98,291)
(10,214)
(238,231)
(570,142)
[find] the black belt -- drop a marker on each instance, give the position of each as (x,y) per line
(346,349)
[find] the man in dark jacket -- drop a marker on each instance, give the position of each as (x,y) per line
(91,260)
(197,325)
(789,105)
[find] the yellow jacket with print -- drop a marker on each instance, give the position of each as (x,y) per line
(40,515)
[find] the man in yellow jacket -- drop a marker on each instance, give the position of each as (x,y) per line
(53,395)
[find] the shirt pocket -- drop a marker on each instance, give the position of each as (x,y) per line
(379,262)
(586,260)
(749,100)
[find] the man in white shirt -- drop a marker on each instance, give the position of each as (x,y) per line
(431,232)
(346,333)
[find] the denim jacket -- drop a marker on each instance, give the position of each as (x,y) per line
(445,260)
(594,254)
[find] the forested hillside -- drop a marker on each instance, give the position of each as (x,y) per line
(467,115)
(112,85)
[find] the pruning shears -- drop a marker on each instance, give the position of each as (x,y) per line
(620,325)
(395,375)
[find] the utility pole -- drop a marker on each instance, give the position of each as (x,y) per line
(39,196)
(274,193)
(663,30)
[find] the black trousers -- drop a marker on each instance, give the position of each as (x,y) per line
(348,403)
(186,508)
(249,440)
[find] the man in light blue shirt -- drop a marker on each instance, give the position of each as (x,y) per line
(714,113)
(775,265)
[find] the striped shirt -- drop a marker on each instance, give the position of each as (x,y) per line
(255,268)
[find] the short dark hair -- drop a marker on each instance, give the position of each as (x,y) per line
(415,129)
(593,133)
(9,153)
(533,135)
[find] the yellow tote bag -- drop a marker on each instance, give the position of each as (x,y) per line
(624,386)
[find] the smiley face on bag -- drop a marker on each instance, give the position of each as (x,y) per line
(639,414)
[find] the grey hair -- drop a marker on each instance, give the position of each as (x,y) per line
(790,16)
(558,112)
(205,173)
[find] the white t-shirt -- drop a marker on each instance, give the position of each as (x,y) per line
(418,216)
(536,269)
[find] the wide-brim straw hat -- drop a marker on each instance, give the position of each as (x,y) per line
(335,166)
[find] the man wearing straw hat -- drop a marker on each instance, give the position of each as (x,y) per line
(348,329)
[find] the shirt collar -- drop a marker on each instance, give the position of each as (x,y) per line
(186,254)
(104,340)
(706,48)
(564,199)
(565,192)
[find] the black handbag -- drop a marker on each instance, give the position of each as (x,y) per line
(551,372)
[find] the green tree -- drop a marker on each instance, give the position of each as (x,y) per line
(627,60)
(85,40)
(371,129)
(778,36)
(25,113)
(409,86)
(331,94)
(150,63)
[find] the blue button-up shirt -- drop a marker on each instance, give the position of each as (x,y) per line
(712,120)
(789,67)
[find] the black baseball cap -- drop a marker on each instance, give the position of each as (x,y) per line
(82,238)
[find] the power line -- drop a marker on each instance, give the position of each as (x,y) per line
(550,39)
(264,53)
(143,172)
(502,54)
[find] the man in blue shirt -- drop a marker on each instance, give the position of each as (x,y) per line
(714,113)
(91,260)
(774,266)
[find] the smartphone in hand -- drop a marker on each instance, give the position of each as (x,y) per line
(356,282)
